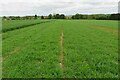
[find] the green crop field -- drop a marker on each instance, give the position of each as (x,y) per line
(60,49)
(17,24)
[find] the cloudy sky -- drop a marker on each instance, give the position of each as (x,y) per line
(68,7)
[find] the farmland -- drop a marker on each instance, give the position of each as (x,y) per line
(60,49)
(17,24)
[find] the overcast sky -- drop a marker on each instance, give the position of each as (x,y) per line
(68,7)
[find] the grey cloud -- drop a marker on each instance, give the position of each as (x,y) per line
(69,7)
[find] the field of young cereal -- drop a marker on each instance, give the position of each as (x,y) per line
(60,49)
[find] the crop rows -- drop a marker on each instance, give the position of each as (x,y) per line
(17,24)
(90,52)
(87,52)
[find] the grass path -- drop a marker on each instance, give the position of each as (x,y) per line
(62,51)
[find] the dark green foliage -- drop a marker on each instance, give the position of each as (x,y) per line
(50,16)
(20,18)
(56,16)
(77,16)
(97,16)
(62,16)
(14,17)
(114,17)
(42,17)
(35,16)
(4,17)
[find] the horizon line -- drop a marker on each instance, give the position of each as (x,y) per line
(61,13)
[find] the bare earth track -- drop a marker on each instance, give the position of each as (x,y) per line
(62,51)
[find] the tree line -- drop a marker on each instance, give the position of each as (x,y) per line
(97,16)
(62,16)
(55,16)
(20,18)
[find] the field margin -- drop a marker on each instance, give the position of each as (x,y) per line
(24,26)
(0,48)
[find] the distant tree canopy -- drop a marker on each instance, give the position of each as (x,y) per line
(77,16)
(35,16)
(50,16)
(14,18)
(56,16)
(42,17)
(19,17)
(115,16)
(97,16)
(62,16)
